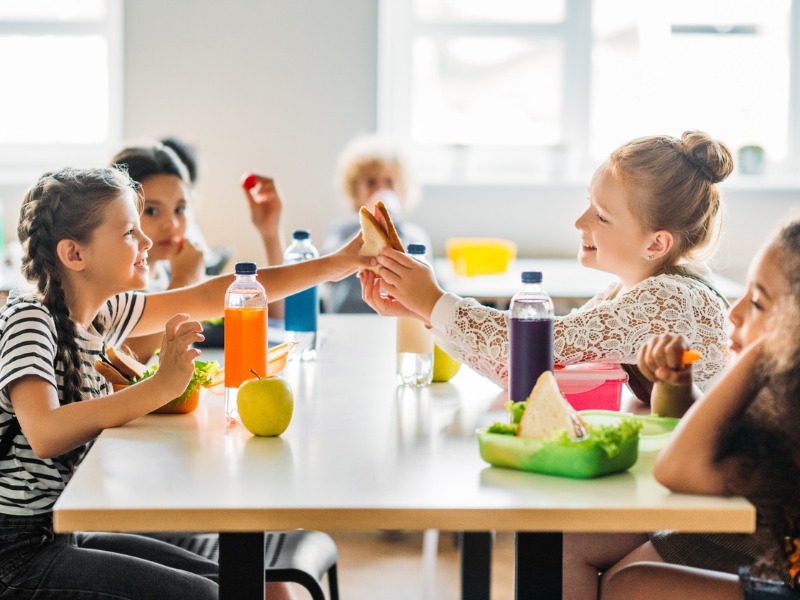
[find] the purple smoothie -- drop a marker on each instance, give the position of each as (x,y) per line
(531,353)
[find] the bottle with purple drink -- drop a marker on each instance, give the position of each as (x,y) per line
(530,336)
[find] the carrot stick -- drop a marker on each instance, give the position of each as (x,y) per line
(689,356)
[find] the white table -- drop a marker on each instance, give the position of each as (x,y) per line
(568,282)
(361,454)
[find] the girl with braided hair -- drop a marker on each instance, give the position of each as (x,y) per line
(741,438)
(85,253)
(654,215)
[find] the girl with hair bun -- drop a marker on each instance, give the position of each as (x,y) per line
(85,254)
(654,212)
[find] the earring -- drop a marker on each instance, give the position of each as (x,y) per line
(649,257)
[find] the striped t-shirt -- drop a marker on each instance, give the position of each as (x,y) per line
(30,485)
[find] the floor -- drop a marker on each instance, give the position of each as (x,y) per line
(389,566)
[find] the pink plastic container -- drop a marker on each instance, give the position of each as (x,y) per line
(592,385)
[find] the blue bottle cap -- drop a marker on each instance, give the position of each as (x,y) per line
(416,248)
(531,277)
(301,234)
(246,268)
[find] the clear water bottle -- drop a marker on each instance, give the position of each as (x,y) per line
(245,335)
(414,341)
(530,336)
(301,310)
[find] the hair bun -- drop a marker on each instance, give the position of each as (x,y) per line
(710,156)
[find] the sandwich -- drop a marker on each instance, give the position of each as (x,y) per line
(547,413)
(120,368)
(546,435)
(377,235)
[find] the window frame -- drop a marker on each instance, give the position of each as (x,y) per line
(396,32)
(19,160)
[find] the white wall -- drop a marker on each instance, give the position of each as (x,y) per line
(275,86)
(279,86)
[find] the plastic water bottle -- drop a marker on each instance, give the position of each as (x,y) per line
(530,336)
(301,310)
(414,341)
(245,335)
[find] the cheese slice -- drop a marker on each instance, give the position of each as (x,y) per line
(547,412)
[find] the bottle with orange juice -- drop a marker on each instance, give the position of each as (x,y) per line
(245,335)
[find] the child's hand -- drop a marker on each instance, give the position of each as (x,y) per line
(187,264)
(176,361)
(265,205)
(348,260)
(382,304)
(661,360)
(409,282)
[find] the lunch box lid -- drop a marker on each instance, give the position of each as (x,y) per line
(591,372)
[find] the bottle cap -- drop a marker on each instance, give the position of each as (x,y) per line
(246,268)
(301,234)
(416,248)
(531,277)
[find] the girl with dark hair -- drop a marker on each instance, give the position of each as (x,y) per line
(175,260)
(741,439)
(85,253)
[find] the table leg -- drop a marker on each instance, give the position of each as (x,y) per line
(241,566)
(476,565)
(538,566)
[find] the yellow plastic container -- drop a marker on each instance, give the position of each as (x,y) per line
(480,256)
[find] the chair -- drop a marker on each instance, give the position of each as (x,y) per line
(299,556)
(764,589)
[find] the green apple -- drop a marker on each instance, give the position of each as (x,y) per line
(266,405)
(444,365)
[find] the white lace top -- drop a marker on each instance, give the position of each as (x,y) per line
(611,327)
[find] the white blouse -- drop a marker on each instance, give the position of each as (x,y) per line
(610,327)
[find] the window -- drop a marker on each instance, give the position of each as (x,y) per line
(513,90)
(61,67)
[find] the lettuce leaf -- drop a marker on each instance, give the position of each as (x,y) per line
(203,374)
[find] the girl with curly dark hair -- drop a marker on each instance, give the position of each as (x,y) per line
(740,439)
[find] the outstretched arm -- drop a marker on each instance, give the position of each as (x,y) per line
(206,300)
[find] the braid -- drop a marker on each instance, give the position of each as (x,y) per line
(35,231)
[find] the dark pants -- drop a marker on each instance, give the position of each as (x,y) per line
(36,564)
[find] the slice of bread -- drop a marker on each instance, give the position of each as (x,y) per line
(389,229)
(110,372)
(547,412)
(375,236)
(125,363)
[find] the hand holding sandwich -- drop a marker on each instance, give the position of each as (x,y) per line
(411,287)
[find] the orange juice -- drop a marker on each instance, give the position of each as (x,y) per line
(245,344)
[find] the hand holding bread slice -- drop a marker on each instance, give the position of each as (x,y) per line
(378,232)
(547,413)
